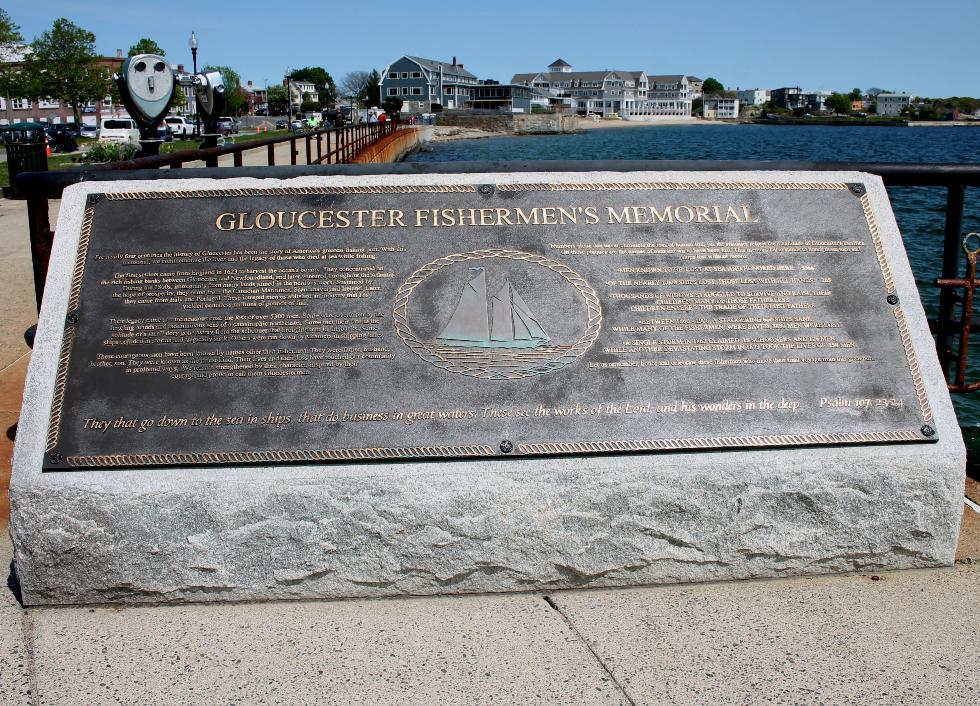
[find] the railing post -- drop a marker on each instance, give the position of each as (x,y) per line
(272,155)
(951,269)
(319,147)
(41,241)
(238,158)
(309,148)
(292,151)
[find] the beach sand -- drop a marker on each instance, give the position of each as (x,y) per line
(446,133)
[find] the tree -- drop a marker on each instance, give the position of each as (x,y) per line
(372,89)
(855,94)
(278,100)
(320,78)
(10,83)
(62,65)
(392,105)
(309,106)
(9,30)
(353,83)
(712,85)
(234,95)
(146,46)
(839,103)
(180,98)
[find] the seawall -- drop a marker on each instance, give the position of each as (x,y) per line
(394,147)
(514,123)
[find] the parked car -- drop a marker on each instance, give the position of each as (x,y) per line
(297,125)
(179,125)
(90,130)
(282,124)
(121,130)
(61,138)
(227,126)
(63,128)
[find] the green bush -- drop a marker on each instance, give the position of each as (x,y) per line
(103,151)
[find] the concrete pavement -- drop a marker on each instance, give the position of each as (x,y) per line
(908,637)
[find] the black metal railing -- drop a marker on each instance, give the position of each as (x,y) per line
(951,326)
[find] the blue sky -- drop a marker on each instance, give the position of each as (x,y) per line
(927,48)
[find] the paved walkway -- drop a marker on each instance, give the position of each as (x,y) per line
(910,637)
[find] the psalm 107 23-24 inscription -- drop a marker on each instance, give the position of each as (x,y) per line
(365,323)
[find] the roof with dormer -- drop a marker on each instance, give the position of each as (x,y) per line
(436,65)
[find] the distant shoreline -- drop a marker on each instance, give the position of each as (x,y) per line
(448,133)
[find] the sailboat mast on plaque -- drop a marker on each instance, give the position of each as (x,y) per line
(502,320)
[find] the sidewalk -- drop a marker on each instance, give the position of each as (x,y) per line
(910,637)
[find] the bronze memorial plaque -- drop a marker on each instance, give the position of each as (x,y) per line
(359,323)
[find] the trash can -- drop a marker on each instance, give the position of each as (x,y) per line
(27,148)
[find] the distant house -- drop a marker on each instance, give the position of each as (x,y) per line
(256,99)
(753,96)
(425,83)
(789,98)
(892,104)
(19,110)
(301,92)
(720,107)
(503,97)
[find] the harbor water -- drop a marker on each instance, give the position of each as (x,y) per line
(920,211)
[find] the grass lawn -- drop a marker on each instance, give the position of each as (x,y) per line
(65,161)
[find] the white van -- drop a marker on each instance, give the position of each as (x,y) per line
(119,130)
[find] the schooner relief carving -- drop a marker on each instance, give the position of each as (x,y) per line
(481,325)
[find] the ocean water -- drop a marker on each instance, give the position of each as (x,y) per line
(920,211)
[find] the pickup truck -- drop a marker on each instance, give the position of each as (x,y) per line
(179,126)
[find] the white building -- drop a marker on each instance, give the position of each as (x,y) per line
(753,96)
(668,97)
(892,104)
(585,92)
(720,107)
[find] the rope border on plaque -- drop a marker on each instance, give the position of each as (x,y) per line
(903,327)
(229,457)
(290,191)
(575,447)
(57,403)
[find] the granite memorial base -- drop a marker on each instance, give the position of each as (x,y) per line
(869,481)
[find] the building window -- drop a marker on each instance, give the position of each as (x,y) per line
(416,74)
(392,91)
(405,90)
(48,103)
(417,91)
(404,74)
(20,103)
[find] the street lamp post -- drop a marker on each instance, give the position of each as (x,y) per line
(197,119)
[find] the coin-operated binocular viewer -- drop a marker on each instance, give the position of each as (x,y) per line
(147,86)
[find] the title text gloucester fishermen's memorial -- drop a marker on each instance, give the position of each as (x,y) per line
(361,386)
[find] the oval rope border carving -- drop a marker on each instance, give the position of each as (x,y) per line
(404,330)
